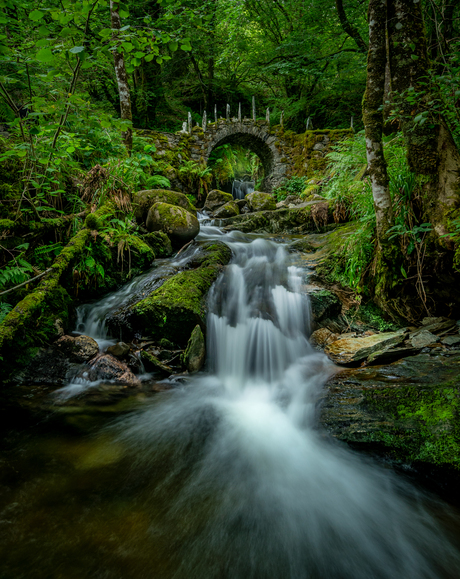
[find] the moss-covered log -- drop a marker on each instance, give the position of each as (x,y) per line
(20,330)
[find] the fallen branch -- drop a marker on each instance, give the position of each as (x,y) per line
(26,282)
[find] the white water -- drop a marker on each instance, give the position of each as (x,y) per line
(248,486)
(242,188)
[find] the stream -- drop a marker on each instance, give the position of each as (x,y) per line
(227,476)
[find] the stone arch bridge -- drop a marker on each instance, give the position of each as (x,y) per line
(283,153)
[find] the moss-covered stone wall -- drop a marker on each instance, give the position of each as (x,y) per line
(283,153)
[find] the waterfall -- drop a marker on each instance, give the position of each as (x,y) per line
(248,486)
(242,188)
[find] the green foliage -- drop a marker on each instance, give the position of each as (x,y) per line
(5,308)
(371,315)
(196,177)
(230,162)
(292,186)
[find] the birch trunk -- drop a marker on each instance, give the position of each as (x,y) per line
(373,117)
(122,79)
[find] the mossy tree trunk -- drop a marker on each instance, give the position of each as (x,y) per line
(373,117)
(431,151)
(122,79)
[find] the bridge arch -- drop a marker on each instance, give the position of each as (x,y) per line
(258,140)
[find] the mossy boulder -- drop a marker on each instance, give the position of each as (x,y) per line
(230,209)
(259,201)
(180,225)
(216,199)
(143,201)
(159,242)
(195,353)
(173,310)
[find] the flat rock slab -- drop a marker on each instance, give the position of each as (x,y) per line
(423,339)
(351,350)
(406,411)
(451,340)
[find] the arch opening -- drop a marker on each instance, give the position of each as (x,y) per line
(235,148)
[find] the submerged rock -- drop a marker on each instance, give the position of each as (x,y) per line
(216,199)
(259,201)
(180,225)
(352,350)
(195,353)
(143,201)
(230,209)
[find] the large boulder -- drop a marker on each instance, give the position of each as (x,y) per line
(79,349)
(259,201)
(174,309)
(195,353)
(230,209)
(180,225)
(216,199)
(143,200)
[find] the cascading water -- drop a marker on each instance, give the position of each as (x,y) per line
(242,188)
(248,487)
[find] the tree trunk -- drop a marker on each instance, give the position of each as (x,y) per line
(122,79)
(431,151)
(349,28)
(373,117)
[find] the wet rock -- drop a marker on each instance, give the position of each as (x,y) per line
(322,337)
(153,364)
(54,365)
(143,201)
(259,201)
(406,411)
(195,353)
(180,225)
(388,355)
(107,367)
(119,350)
(77,349)
(241,203)
(230,209)
(423,339)
(451,340)
(175,308)
(352,350)
(166,344)
(324,304)
(216,199)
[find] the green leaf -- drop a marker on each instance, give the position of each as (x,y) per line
(65,32)
(414,57)
(36,15)
(45,55)
(77,49)
(186,47)
(139,54)
(70,149)
(403,271)
(43,160)
(42,42)
(149,57)
(124,14)
(173,46)
(43,31)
